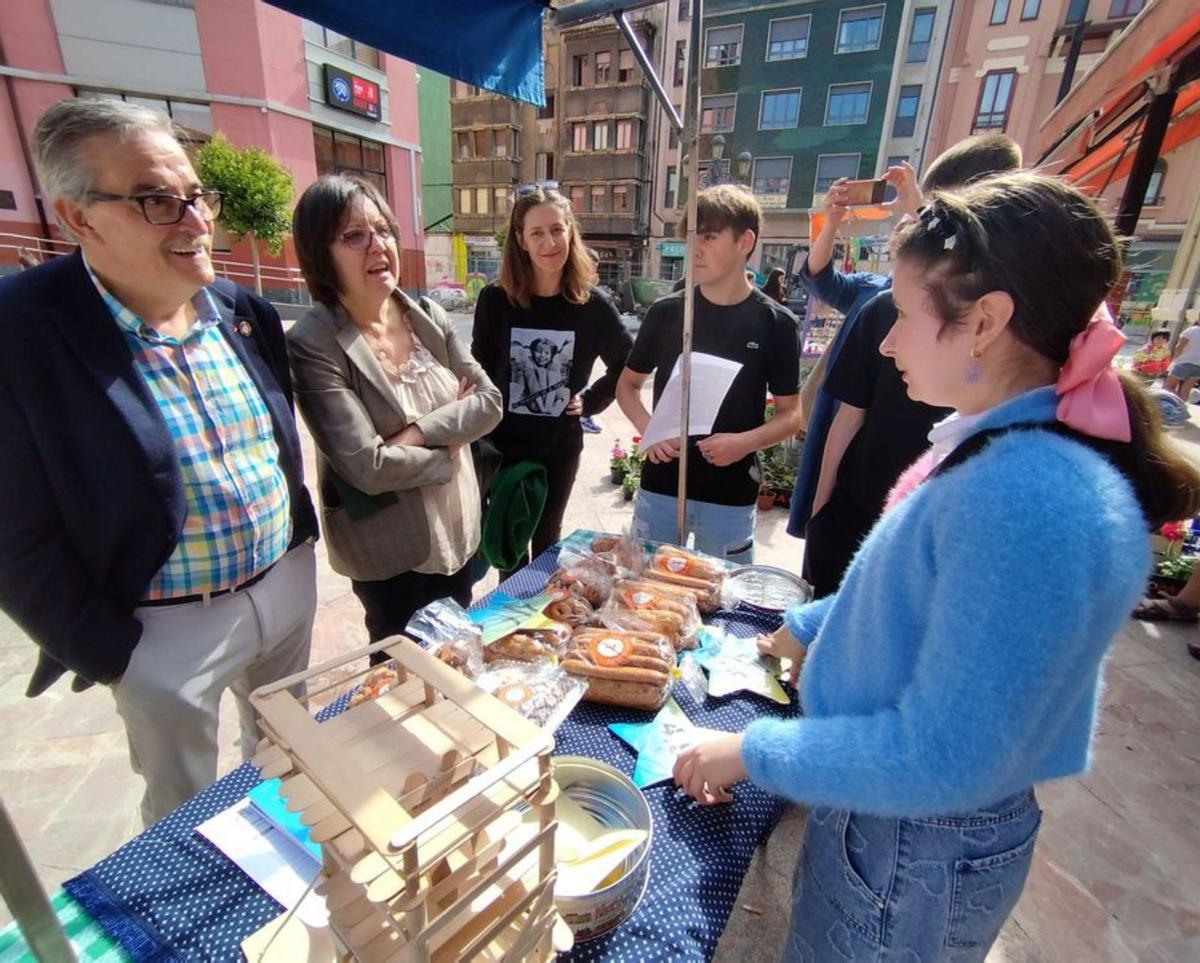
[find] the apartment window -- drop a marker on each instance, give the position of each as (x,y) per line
(672,133)
(459,88)
(832,166)
(624,135)
(906,110)
(787,39)
(1125,8)
(672,187)
(779,109)
(197,118)
(339,153)
(600,135)
(770,178)
(462,145)
(599,199)
(543,167)
(920,36)
(1030,9)
(621,199)
(1076,11)
(500,143)
(685,10)
(625,66)
(859,28)
(579,67)
(579,137)
(847,104)
(1154,188)
(603,66)
(717,112)
(578,196)
(481,200)
(483,143)
(464,200)
(500,197)
(680,62)
(547,112)
(723,46)
(999,12)
(995,100)
(347,47)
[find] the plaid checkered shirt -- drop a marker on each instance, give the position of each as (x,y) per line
(238,520)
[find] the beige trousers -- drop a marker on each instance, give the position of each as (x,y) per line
(170,694)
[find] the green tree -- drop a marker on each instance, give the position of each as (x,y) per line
(257,193)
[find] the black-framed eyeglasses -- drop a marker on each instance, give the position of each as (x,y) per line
(359,238)
(162,209)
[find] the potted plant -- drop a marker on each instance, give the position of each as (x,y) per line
(769,468)
(1172,569)
(636,457)
(629,485)
(618,463)
(766,499)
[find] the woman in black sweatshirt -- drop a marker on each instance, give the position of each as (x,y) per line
(538,332)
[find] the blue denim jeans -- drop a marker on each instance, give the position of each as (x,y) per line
(723,531)
(916,890)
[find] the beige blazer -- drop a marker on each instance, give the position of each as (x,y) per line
(350,407)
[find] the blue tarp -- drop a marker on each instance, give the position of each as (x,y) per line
(495,44)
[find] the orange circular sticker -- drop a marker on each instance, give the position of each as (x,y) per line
(642,598)
(610,650)
(675,564)
(515,694)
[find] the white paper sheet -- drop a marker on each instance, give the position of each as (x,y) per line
(270,857)
(711,378)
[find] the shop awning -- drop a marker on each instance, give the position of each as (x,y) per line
(1092,136)
(494,44)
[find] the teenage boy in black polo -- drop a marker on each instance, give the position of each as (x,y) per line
(736,321)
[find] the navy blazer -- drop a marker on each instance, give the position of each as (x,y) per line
(91,503)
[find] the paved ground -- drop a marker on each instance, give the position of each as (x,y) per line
(1116,875)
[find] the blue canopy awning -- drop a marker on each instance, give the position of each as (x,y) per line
(494,44)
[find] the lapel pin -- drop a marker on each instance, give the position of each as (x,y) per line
(244,329)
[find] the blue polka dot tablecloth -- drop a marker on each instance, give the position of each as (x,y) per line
(168,894)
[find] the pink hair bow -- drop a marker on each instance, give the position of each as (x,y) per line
(1091,398)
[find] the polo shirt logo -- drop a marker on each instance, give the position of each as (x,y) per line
(752,345)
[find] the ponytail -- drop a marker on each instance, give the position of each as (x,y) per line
(1165,482)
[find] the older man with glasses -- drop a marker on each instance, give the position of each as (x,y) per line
(155,532)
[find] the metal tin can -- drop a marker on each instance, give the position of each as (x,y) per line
(610,797)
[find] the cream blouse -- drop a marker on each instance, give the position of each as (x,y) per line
(423,385)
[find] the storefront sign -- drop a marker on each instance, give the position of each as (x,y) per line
(347,92)
(769,201)
(672,248)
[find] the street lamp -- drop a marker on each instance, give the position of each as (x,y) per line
(719,169)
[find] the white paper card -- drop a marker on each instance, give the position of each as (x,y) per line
(270,857)
(711,379)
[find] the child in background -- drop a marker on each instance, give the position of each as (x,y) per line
(1154,357)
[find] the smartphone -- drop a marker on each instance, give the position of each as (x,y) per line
(862,193)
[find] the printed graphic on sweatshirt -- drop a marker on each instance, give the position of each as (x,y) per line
(540,379)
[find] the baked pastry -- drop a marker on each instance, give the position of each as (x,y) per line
(378,681)
(528,645)
(622,668)
(571,609)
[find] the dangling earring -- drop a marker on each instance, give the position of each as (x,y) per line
(973,370)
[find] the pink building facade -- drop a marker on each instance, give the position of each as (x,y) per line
(258,75)
(1003,68)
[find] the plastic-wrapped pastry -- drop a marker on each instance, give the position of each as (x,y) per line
(542,693)
(622,668)
(376,682)
(570,609)
(529,645)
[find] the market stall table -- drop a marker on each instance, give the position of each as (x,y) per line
(169,894)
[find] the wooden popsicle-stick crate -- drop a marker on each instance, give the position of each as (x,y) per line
(420,800)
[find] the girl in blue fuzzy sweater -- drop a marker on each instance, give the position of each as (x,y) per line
(959,662)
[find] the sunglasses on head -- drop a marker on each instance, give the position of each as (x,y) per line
(524,190)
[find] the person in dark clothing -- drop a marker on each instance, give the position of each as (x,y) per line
(538,332)
(776,287)
(869,430)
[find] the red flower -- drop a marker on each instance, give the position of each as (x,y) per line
(1173,531)
(636,439)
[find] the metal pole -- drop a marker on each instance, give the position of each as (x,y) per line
(692,140)
(1158,119)
(27,900)
(635,44)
